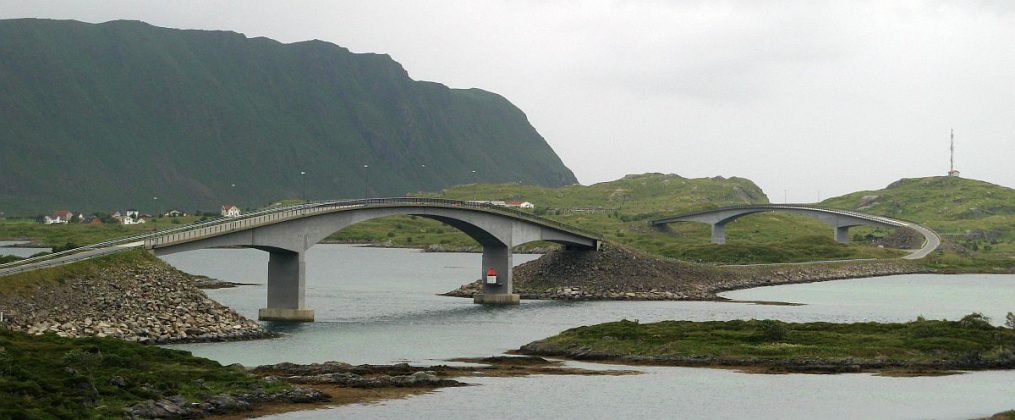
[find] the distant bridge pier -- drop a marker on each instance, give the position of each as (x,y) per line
(497,289)
(719,233)
(286,288)
(842,234)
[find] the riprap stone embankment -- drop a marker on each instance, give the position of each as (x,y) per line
(136,298)
(619,273)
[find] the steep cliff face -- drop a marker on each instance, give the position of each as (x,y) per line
(101,116)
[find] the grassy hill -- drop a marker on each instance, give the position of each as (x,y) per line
(106,116)
(976,218)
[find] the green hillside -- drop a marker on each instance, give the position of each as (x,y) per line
(975,218)
(106,116)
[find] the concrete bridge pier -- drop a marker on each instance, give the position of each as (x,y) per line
(497,291)
(842,234)
(286,288)
(719,233)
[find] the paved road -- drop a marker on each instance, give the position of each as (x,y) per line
(67,259)
(930,243)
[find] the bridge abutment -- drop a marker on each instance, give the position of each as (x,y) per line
(497,291)
(286,288)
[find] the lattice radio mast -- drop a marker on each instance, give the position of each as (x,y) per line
(951,159)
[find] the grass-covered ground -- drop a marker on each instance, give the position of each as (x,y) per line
(52,377)
(970,343)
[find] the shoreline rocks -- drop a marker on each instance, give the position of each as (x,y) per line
(178,407)
(146,301)
(362,376)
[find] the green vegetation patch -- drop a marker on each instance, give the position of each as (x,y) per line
(48,376)
(966,344)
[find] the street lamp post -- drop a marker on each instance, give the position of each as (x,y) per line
(155,217)
(366,181)
(303,180)
(475,180)
(423,177)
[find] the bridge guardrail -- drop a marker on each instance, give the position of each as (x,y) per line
(125,240)
(870,217)
(274,214)
(310,209)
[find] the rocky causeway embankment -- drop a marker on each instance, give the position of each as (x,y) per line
(143,300)
(619,273)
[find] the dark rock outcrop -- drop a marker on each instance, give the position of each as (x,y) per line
(619,273)
(178,407)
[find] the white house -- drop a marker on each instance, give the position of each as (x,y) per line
(58,217)
(230,210)
(127,220)
(521,204)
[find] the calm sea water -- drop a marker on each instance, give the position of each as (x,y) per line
(380,306)
(7,249)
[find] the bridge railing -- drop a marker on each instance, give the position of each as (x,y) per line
(274,216)
(862,216)
(271,215)
(126,240)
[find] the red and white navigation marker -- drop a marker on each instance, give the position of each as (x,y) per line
(491,276)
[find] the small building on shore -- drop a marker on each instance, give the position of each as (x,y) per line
(58,217)
(230,210)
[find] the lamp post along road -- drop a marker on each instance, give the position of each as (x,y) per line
(303,179)
(366,181)
(155,217)
(475,180)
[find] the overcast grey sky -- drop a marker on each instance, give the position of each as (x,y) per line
(807,98)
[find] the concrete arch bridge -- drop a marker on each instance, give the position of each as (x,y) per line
(287,233)
(840,220)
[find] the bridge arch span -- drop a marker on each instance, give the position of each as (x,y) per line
(287,234)
(840,220)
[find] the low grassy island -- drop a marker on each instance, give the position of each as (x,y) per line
(54,377)
(768,346)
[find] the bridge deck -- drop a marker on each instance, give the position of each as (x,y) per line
(931,238)
(203,230)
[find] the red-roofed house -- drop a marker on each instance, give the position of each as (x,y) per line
(230,210)
(62,216)
(520,204)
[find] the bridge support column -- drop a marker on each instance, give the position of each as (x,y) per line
(719,233)
(842,234)
(286,288)
(499,258)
